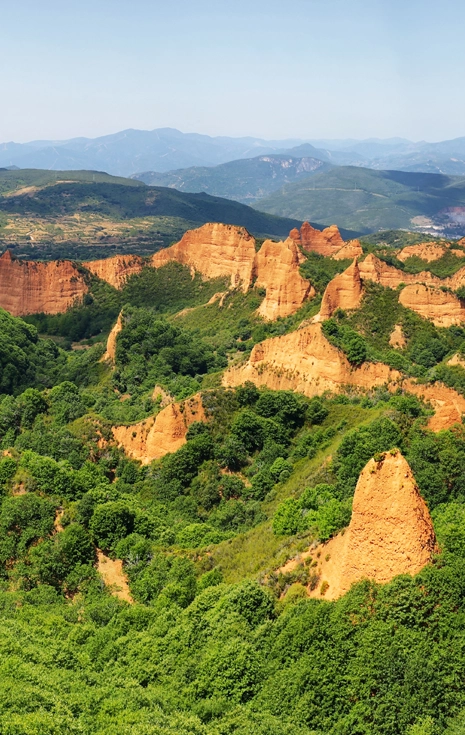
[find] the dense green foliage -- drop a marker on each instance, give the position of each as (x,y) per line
(268,473)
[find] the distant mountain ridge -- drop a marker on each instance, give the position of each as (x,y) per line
(131,151)
(244,180)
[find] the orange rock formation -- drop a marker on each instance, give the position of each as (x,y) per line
(110,352)
(306,362)
(376,270)
(214,250)
(457,359)
(277,270)
(27,287)
(117,270)
(441,307)
(327,242)
(166,432)
(397,339)
(351,249)
(390,532)
(427,251)
(343,292)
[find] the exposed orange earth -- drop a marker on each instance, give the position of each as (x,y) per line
(390,531)
(27,287)
(306,362)
(343,292)
(327,242)
(396,338)
(214,250)
(351,249)
(114,576)
(428,251)
(110,352)
(116,270)
(441,307)
(166,432)
(277,271)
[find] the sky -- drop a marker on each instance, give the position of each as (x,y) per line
(272,69)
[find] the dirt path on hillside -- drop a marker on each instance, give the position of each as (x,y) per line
(114,576)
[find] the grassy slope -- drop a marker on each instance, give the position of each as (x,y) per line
(364,200)
(259,551)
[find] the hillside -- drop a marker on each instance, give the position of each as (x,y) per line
(242,510)
(365,200)
(42,208)
(244,180)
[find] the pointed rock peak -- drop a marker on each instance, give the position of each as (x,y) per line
(343,292)
(390,532)
(7,256)
(295,235)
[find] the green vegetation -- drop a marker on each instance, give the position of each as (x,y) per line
(365,200)
(84,208)
(218,640)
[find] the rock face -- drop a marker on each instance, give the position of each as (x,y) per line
(277,270)
(110,352)
(343,292)
(215,251)
(27,287)
(457,359)
(117,270)
(441,307)
(351,249)
(306,362)
(428,251)
(327,242)
(376,270)
(390,532)
(397,339)
(154,437)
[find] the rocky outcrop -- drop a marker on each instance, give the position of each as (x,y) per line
(428,251)
(343,292)
(351,249)
(166,432)
(215,251)
(277,271)
(27,287)
(390,532)
(326,242)
(376,270)
(110,352)
(116,270)
(397,339)
(456,359)
(441,307)
(306,362)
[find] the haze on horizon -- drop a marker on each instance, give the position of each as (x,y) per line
(307,69)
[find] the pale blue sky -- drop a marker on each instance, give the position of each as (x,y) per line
(294,68)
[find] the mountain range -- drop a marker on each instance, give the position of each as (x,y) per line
(164,149)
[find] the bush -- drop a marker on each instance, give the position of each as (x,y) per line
(110,523)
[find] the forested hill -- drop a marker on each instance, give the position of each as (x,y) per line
(168,502)
(87,207)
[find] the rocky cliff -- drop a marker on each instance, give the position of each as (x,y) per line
(428,251)
(215,251)
(166,432)
(27,287)
(305,361)
(443,308)
(390,532)
(343,292)
(327,242)
(277,271)
(351,249)
(376,270)
(110,352)
(117,270)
